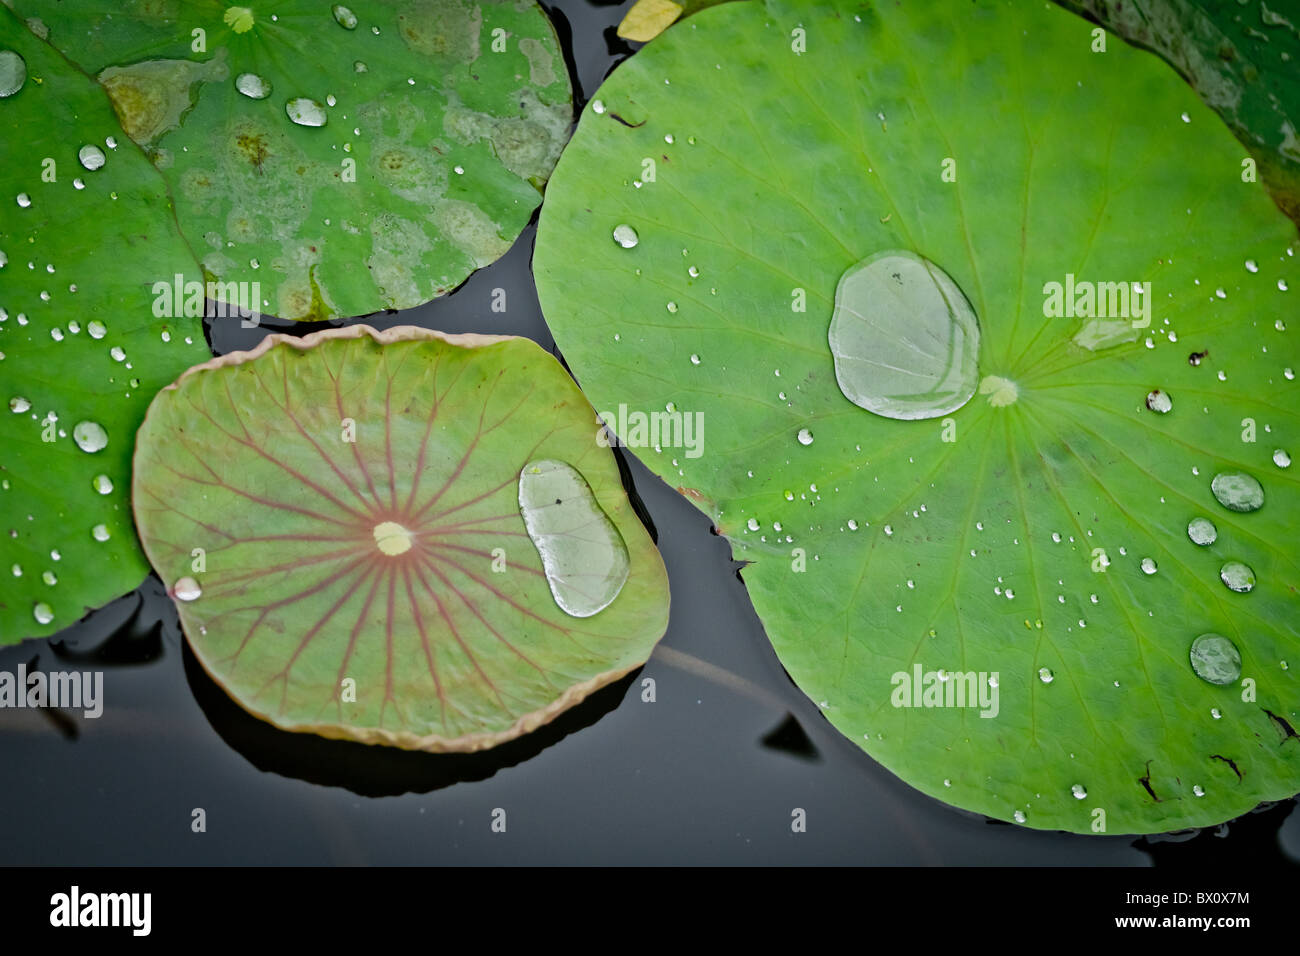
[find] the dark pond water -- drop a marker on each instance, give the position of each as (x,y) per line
(708,773)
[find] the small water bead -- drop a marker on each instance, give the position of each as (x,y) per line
(1056,537)
(43,613)
(597,106)
(1149,566)
(360,67)
(1019,816)
(853,525)
(187,589)
(330,101)
(1215,713)
(1198,790)
(253,86)
(110,142)
(91,157)
(1237,491)
(56,334)
(100,532)
(306,112)
(13,73)
(1237,576)
(1079,791)
(626,236)
(1215,659)
(1282,458)
(1159,401)
(1288,373)
(96,329)
(805,436)
(17,570)
(1202,531)
(117,353)
(1045,675)
(1281,284)
(103,484)
(50,578)
(344,17)
(18,405)
(752,524)
(693,272)
(672,307)
(24,200)
(90,436)
(1251,266)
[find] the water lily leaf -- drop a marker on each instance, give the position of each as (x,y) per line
(1242,56)
(343,522)
(1038,536)
(81,351)
(345,161)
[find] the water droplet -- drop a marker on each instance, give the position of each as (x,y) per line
(583,555)
(187,589)
(1159,401)
(1045,675)
(100,532)
(1079,791)
(1251,266)
(695,359)
(1019,816)
(43,613)
(91,157)
(904,339)
(13,73)
(752,524)
(255,87)
(18,405)
(1237,491)
(360,67)
(103,484)
(1202,531)
(306,112)
(1281,284)
(344,17)
(672,307)
(1198,790)
(1214,712)
(805,437)
(117,353)
(625,235)
(89,436)
(853,525)
(24,200)
(1237,576)
(1149,566)
(50,578)
(597,106)
(96,329)
(1215,659)
(1282,458)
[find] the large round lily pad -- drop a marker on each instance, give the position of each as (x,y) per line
(346,159)
(82,351)
(351,526)
(1029,549)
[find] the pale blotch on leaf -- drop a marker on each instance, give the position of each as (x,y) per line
(151,97)
(1098,334)
(392,539)
(904,339)
(583,555)
(239,19)
(1001,391)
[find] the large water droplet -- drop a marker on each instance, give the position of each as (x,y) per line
(1149,566)
(1237,491)
(1045,675)
(344,17)
(1202,531)
(1282,458)
(187,589)
(625,235)
(89,436)
(43,613)
(91,156)
(103,484)
(805,436)
(100,532)
(1215,659)
(253,86)
(904,339)
(1079,791)
(13,72)
(306,112)
(18,405)
(583,555)
(1159,401)
(1237,576)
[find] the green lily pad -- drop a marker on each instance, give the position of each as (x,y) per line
(1242,56)
(346,161)
(1035,542)
(344,525)
(81,349)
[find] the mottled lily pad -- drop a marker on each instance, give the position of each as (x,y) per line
(85,230)
(347,160)
(1031,550)
(342,521)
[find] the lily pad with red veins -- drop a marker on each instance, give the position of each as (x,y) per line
(351,526)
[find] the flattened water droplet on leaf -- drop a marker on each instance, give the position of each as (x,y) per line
(91,156)
(1149,566)
(43,613)
(18,405)
(89,436)
(904,338)
(1238,491)
(344,17)
(1159,401)
(1282,458)
(626,236)
(1079,791)
(1237,576)
(583,555)
(187,589)
(1045,675)
(805,437)
(306,112)
(13,73)
(1202,531)
(103,484)
(1215,659)
(253,86)
(100,532)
